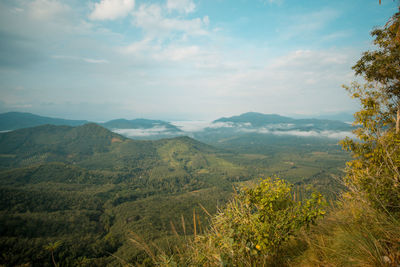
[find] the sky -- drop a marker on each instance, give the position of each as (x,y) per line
(182,59)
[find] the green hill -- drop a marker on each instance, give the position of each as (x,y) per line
(49,143)
(274,121)
(256,119)
(17,120)
(89,187)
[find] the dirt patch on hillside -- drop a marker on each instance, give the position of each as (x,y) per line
(115,140)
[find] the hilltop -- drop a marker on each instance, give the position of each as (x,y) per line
(17,120)
(277,122)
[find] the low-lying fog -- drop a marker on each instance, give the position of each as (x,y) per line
(192,127)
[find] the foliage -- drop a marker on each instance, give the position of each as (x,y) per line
(51,247)
(381,66)
(363,229)
(375,170)
(271,217)
(254,229)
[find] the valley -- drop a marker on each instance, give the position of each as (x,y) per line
(93,189)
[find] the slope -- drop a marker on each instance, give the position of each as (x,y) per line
(17,120)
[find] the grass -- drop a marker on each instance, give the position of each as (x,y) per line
(353,234)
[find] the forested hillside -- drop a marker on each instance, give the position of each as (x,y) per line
(17,120)
(90,189)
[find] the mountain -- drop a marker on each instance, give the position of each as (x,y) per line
(139,124)
(271,133)
(275,122)
(343,116)
(256,119)
(57,143)
(92,146)
(18,120)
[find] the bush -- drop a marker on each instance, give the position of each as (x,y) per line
(252,229)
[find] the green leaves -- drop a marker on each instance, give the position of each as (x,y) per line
(260,220)
(374,173)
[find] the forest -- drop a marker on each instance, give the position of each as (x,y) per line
(88,190)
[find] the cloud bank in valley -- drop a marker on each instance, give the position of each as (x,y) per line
(140,132)
(280,129)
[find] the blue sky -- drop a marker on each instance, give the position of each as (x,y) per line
(182,59)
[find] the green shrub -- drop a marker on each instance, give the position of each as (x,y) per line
(261,219)
(254,228)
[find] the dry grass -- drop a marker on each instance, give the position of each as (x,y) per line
(354,234)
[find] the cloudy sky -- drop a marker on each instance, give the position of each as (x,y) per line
(182,59)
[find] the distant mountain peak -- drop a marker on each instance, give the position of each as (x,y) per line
(274,122)
(17,120)
(256,119)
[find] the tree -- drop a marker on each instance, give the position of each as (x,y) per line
(382,66)
(374,174)
(52,247)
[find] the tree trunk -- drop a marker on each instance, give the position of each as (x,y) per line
(398,119)
(54,261)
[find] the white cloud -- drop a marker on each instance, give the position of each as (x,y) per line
(192,126)
(46,9)
(167,37)
(158,130)
(329,134)
(183,6)
(178,53)
(217,125)
(87,60)
(156,25)
(137,47)
(111,9)
(312,74)
(95,61)
(206,20)
(207,69)
(320,134)
(199,126)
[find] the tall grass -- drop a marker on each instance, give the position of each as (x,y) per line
(258,227)
(353,234)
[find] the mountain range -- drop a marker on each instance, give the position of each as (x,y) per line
(17,120)
(277,122)
(250,121)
